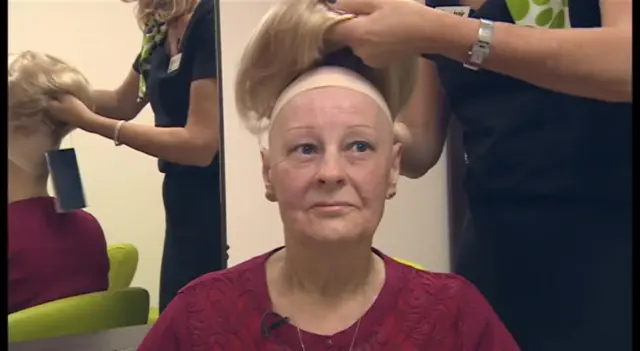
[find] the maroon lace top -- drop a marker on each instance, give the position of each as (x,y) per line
(415,311)
(52,255)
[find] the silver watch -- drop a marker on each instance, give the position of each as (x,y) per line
(480,50)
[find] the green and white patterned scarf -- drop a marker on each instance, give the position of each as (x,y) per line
(552,14)
(154,34)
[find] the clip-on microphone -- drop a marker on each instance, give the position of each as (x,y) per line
(268,327)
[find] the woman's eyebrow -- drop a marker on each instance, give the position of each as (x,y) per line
(361,126)
(299,128)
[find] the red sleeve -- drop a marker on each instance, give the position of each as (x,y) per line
(481,329)
(167,334)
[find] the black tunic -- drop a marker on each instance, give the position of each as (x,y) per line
(194,238)
(548,237)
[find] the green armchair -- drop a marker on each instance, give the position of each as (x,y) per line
(81,314)
(123,261)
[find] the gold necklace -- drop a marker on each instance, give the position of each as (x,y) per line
(353,340)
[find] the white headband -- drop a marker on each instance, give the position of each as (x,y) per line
(326,76)
(329,76)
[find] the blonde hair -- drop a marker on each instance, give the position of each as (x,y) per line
(160,11)
(289,41)
(34,78)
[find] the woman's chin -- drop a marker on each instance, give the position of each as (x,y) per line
(338,229)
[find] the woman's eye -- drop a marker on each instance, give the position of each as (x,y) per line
(306,149)
(360,146)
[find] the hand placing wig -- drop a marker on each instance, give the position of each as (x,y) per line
(292,40)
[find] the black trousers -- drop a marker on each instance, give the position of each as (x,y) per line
(194,238)
(559,276)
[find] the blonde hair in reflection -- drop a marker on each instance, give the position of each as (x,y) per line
(289,41)
(160,11)
(34,78)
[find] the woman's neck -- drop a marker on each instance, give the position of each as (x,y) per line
(324,290)
(24,185)
(331,272)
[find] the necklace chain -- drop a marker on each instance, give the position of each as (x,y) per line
(353,340)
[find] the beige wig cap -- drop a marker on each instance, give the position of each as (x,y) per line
(329,76)
(323,77)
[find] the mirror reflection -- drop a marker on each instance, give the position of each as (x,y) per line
(72,243)
(114,174)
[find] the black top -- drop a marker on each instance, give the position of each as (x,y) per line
(527,143)
(168,92)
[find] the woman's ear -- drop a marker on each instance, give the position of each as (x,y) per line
(269,193)
(394,170)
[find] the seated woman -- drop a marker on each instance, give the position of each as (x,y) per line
(330,162)
(51,255)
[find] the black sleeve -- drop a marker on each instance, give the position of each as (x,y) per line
(438,3)
(136,64)
(204,39)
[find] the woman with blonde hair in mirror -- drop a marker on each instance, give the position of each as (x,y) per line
(51,255)
(176,72)
(543,94)
(331,161)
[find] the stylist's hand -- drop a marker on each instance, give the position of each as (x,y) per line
(384,30)
(68,109)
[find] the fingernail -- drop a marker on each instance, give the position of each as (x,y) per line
(331,2)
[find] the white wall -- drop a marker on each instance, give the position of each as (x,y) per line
(415,226)
(122,186)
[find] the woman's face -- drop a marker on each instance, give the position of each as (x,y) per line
(331,164)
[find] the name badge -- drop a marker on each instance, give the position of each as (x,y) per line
(174,63)
(462,11)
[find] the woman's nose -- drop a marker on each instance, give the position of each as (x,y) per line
(332,169)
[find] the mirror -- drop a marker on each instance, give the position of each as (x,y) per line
(134,198)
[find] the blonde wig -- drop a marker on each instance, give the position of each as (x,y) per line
(290,41)
(33,79)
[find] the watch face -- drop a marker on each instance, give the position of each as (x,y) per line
(477,55)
